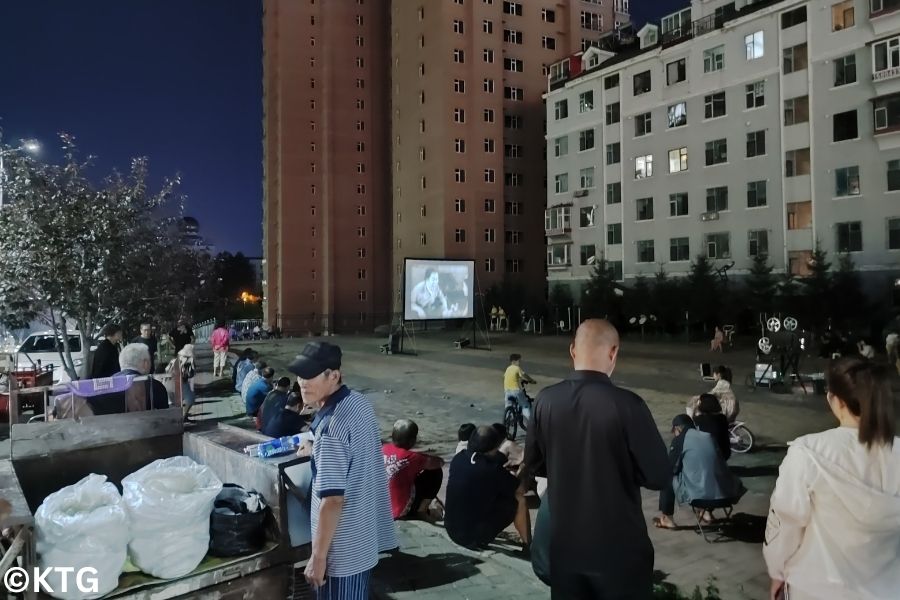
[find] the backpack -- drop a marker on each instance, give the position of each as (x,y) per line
(187,370)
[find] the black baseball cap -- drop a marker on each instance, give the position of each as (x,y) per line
(315,359)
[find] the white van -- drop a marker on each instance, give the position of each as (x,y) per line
(42,346)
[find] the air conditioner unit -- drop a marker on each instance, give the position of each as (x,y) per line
(580,193)
(712,215)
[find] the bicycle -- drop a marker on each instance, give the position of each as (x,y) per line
(513,417)
(740,437)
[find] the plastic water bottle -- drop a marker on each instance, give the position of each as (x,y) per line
(278,446)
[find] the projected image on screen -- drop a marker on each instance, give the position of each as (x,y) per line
(438,289)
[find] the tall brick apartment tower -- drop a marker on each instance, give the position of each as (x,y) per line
(468,145)
(326,216)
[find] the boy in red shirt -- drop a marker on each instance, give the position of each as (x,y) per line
(414,479)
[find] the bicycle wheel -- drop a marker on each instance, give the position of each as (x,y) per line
(511,422)
(741,439)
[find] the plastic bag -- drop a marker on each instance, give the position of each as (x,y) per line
(169,502)
(237,523)
(83,525)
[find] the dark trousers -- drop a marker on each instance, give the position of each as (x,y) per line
(426,487)
(667,499)
(589,586)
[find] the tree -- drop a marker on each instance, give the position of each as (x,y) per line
(233,274)
(72,252)
(816,288)
(667,302)
(599,298)
(703,292)
(761,286)
(847,299)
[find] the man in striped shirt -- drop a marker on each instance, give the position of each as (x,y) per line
(351,506)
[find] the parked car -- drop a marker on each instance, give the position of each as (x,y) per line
(42,346)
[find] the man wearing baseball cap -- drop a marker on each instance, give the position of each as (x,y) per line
(351,506)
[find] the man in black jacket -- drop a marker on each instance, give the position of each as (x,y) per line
(106,356)
(598,445)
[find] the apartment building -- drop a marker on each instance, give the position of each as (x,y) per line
(730,129)
(326,209)
(467,145)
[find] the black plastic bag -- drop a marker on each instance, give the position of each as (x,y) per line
(237,524)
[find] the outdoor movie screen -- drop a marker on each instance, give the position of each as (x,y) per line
(438,289)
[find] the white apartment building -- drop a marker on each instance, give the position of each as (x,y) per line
(731,129)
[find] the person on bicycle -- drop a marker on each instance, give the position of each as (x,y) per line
(514,380)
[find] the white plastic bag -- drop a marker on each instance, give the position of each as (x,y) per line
(169,502)
(83,525)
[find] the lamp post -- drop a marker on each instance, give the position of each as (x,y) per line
(30,146)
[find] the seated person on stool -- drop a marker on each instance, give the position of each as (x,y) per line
(414,478)
(709,419)
(483,498)
(700,473)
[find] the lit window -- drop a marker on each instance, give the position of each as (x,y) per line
(678,160)
(643,166)
(714,59)
(753,43)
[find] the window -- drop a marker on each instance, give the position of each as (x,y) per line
(585,101)
(489,176)
(557,218)
(756,194)
(612,113)
(887,112)
(460,236)
(487,55)
(488,115)
(513,64)
(488,86)
(558,255)
(643,166)
(718,245)
(714,59)
(678,160)
(487,26)
(423,239)
(360,252)
(642,83)
(361,295)
(459,115)
(585,139)
(644,209)
(613,153)
(513,179)
(893,234)
(886,57)
(512,36)
(459,175)
(360,188)
(753,43)
(512,208)
(458,26)
(459,145)
(645,251)
(842,15)
(513,265)
(591,21)
(611,81)
(758,242)
(615,269)
(679,249)
(359,41)
(587,255)
(513,93)
(846,181)
(614,193)
(643,124)
(716,152)
(548,43)
(845,70)
(794,59)
(845,126)
(714,105)
(359,20)
(513,237)
(459,56)
(422,126)
(561,183)
(489,205)
(459,205)
(561,109)
(756,143)
(677,114)
(676,71)
(586,178)
(561,146)
(796,110)
(361,232)
(360,125)
(716,199)
(512,121)
(793,17)
(489,236)
(548,16)
(361,83)
(678,205)
(849,237)
(893,175)
(586,216)
(756,94)
(796,162)
(512,8)
(489,145)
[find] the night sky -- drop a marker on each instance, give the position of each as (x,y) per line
(179,81)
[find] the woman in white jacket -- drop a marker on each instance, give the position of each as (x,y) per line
(833,530)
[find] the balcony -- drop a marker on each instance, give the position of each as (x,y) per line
(884,15)
(558,231)
(887,121)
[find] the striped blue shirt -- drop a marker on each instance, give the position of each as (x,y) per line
(347,461)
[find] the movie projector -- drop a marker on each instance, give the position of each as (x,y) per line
(780,348)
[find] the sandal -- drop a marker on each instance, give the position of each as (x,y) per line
(660,524)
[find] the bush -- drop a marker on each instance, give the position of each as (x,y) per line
(670,592)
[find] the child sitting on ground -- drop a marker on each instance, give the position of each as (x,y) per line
(414,478)
(463,434)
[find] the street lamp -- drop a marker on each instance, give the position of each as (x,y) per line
(29,146)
